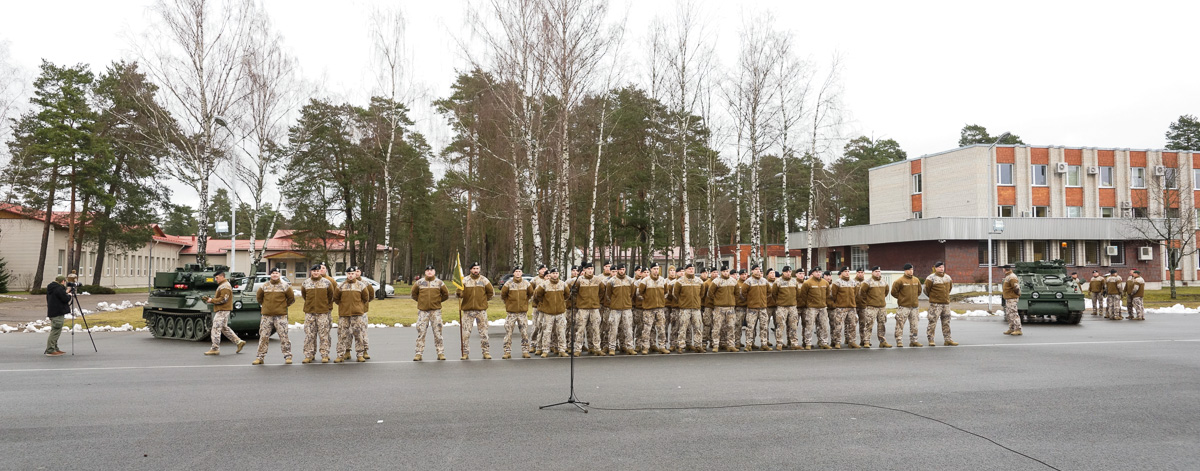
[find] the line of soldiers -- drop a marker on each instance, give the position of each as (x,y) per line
(713,310)
(320,293)
(1107,293)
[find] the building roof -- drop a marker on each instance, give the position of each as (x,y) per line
(962,228)
(935,154)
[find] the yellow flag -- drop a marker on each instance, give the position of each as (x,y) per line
(457,279)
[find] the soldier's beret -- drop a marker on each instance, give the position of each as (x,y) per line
(844,269)
(753,267)
(541,267)
(608,262)
(429,267)
(1112,271)
(724,267)
(552,270)
(354,268)
(576,267)
(770,271)
(875,268)
(828,273)
(742,271)
(273,270)
(685,267)
(938,264)
(315,267)
(473,265)
(654,265)
(861,269)
(619,266)
(908,266)
(787,268)
(518,267)
(1137,272)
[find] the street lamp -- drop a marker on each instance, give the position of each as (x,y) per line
(997,227)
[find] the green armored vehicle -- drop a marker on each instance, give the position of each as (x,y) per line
(1047,290)
(176,308)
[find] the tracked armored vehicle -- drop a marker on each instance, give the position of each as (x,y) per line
(176,308)
(1047,292)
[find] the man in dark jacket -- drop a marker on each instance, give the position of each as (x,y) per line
(58,304)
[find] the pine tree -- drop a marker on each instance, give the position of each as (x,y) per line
(1184,133)
(5,275)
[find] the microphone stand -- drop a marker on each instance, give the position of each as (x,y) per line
(572,400)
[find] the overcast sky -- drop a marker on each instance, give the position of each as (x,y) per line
(1103,74)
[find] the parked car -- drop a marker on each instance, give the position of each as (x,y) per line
(504,279)
(262,278)
(374,284)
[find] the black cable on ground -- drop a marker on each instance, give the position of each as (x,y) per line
(791,403)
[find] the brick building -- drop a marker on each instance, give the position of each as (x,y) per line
(1082,205)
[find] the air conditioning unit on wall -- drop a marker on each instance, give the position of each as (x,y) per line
(1159,170)
(1060,167)
(1093,170)
(1111,250)
(1126,204)
(1145,253)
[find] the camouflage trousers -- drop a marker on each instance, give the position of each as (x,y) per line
(424,320)
(351,332)
(850,326)
(706,318)
(787,319)
(622,318)
(756,326)
(1097,303)
(536,337)
(838,327)
(906,315)
(938,312)
(516,320)
(637,324)
(1136,309)
(220,325)
(316,328)
(365,343)
(654,324)
(1011,315)
(269,325)
(690,327)
(738,325)
(1112,307)
(817,317)
(480,321)
(553,326)
(672,325)
(587,320)
(602,327)
(722,336)
(868,319)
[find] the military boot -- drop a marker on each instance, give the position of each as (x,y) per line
(525,355)
(366,356)
(339,359)
(837,346)
(506,356)
(325,359)
(240,344)
(853,345)
(464,357)
(212,351)
(931,344)
(562,354)
(915,343)
(950,343)
(808,347)
(825,347)
(487,356)
(1008,332)
(779,346)
(441,356)
(645,351)
(884,344)
(257,361)
(545,354)
(1016,332)
(306,360)
(866,345)
(417,357)
(361,358)
(287,361)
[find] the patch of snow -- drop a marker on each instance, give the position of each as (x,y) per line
(996,299)
(5,328)
(107,307)
(12,297)
(1176,309)
(972,314)
(85,293)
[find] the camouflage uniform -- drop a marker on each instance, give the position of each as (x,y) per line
(819,317)
(220,322)
(653,319)
(317,324)
(843,320)
(553,325)
(273,324)
(1135,289)
(352,330)
(475,293)
(536,327)
(430,312)
(690,324)
(589,320)
(622,318)
(480,320)
(873,315)
(515,291)
(723,315)
(757,318)
(1112,291)
(1011,293)
(912,317)
(938,310)
(1096,288)
(424,320)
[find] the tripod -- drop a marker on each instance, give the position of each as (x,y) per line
(572,400)
(75,305)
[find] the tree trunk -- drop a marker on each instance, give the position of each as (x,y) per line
(49,216)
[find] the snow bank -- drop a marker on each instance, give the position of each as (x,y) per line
(12,297)
(1176,309)
(996,299)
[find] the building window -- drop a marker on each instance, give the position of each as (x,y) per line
(983,250)
(1041,250)
(340,267)
(916,184)
(1039,175)
(62,257)
(858,257)
(1137,177)
(261,268)
(1119,258)
(1074,211)
(1013,249)
(1067,252)
(1072,175)
(1041,211)
(1091,253)
(1196,181)
(916,215)
(1139,212)
(300,271)
(1004,174)
(1004,211)
(1171,177)
(1171,213)
(1108,212)
(1106,177)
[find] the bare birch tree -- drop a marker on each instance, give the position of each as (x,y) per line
(612,77)
(792,79)
(1171,222)
(194,52)
(12,89)
(826,124)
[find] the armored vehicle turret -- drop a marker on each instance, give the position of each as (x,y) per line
(176,308)
(1047,291)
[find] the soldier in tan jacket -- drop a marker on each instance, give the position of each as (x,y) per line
(937,288)
(516,294)
(274,298)
(619,292)
(814,294)
(652,291)
(551,297)
(585,296)
(686,292)
(907,291)
(1011,292)
(1096,289)
(319,293)
(476,292)
(844,295)
(723,293)
(353,298)
(222,302)
(873,293)
(754,293)
(787,317)
(430,293)
(1135,290)
(1112,293)
(537,315)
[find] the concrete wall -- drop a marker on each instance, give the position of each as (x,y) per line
(890,193)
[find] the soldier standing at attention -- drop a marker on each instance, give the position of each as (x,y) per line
(907,291)
(755,295)
(475,294)
(671,327)
(222,302)
(572,311)
(860,309)
(937,288)
(814,293)
(1096,288)
(844,293)
(516,295)
(274,297)
(585,298)
(1112,292)
(739,310)
(1012,292)
(619,293)
(319,294)
(430,293)
(652,291)
(723,292)
(537,315)
(636,320)
(874,292)
(551,298)
(1135,289)
(686,292)
(605,273)
(353,297)
(787,318)
(707,276)
(772,277)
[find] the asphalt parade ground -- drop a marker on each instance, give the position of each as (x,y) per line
(1099,395)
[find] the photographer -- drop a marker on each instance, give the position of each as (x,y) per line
(58,303)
